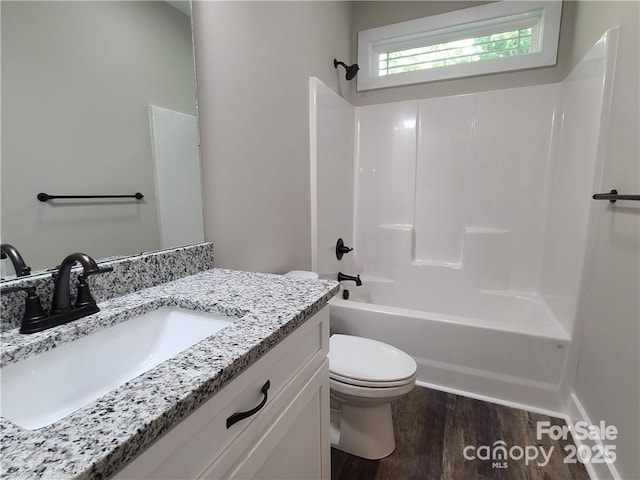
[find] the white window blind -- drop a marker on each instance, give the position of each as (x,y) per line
(490,38)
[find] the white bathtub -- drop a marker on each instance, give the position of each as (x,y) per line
(512,350)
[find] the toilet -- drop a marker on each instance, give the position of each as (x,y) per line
(365,376)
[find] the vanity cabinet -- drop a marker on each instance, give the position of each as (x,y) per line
(288,438)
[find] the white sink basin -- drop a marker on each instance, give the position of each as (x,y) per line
(47,387)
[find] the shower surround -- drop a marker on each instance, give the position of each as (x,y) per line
(468,216)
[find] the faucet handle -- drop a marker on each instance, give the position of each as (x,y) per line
(341,249)
(54,273)
(84,297)
(6,290)
(100,270)
(33,312)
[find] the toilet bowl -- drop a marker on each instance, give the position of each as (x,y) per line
(365,376)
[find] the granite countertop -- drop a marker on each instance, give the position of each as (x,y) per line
(97,440)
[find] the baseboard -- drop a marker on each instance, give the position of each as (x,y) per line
(496,400)
(597,471)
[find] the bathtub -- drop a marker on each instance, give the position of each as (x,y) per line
(511,350)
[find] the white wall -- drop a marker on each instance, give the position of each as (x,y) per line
(453,191)
(608,372)
(575,174)
(253,61)
(77,80)
(332,123)
(385,166)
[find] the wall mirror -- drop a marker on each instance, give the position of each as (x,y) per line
(98,98)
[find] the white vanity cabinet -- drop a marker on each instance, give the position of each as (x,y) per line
(288,438)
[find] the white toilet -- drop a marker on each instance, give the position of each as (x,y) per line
(365,377)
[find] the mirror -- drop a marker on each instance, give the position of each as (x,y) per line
(98,98)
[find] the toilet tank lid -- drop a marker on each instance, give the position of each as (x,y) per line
(370,360)
(302,274)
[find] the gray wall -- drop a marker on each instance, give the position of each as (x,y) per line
(77,79)
(608,373)
(375,14)
(254,60)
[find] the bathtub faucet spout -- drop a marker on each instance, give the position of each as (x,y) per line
(342,277)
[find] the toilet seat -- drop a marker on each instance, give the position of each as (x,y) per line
(364,395)
(302,274)
(364,383)
(363,362)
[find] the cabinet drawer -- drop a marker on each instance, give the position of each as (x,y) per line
(294,446)
(191,446)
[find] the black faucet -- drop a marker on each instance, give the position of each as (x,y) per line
(61,302)
(19,265)
(33,313)
(342,277)
(36,320)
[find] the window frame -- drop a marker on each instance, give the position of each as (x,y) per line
(460,24)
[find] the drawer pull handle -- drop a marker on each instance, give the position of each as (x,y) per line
(236,417)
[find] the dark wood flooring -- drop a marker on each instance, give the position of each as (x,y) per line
(432,428)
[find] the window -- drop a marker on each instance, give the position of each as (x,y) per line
(472,49)
(497,37)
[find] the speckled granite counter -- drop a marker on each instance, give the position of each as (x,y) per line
(97,440)
(129,274)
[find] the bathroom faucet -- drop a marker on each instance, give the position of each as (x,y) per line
(10,251)
(36,320)
(61,302)
(342,277)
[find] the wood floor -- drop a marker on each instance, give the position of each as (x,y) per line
(432,428)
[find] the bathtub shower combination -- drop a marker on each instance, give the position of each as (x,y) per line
(468,216)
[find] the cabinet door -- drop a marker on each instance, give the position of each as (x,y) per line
(191,446)
(295,446)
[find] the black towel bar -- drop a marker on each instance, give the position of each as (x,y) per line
(612,196)
(44,197)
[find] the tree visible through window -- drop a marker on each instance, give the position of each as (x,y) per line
(485,47)
(495,37)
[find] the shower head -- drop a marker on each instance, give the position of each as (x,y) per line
(352,70)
